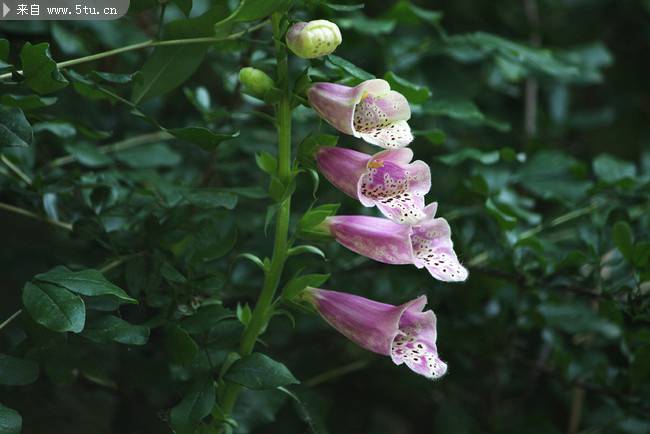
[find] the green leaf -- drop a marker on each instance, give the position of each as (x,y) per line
(309,146)
(170,66)
(505,219)
(149,156)
(54,307)
(408,13)
(344,8)
(465,111)
(41,72)
(416,94)
(257,371)
(367,26)
(27,102)
(205,319)
(610,169)
(298,284)
(109,328)
(315,216)
(299,250)
(244,314)
(624,239)
(87,155)
(208,198)
(179,345)
(17,372)
(251,10)
(10,421)
(4,50)
(267,162)
(14,128)
(86,282)
(184,5)
(196,404)
(577,318)
(63,130)
(349,68)
(464,154)
(205,138)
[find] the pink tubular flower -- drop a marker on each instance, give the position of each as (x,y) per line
(427,244)
(370,110)
(405,332)
(387,180)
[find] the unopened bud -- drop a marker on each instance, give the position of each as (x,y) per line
(313,39)
(255,81)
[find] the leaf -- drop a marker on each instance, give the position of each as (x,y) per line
(109,328)
(208,198)
(86,282)
(251,10)
(205,319)
(27,102)
(14,128)
(316,215)
(298,284)
(416,94)
(184,5)
(463,110)
(577,318)
(54,307)
(624,239)
(196,404)
(309,146)
(10,421)
(87,154)
(4,50)
(267,162)
(17,372)
(407,12)
(344,8)
(349,68)
(464,154)
(259,372)
(505,219)
(170,66)
(205,138)
(299,250)
(41,72)
(367,26)
(610,169)
(149,156)
(179,345)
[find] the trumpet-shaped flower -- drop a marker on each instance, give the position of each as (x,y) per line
(405,332)
(427,244)
(387,180)
(370,110)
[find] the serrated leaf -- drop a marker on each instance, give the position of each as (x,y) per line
(54,307)
(41,72)
(258,371)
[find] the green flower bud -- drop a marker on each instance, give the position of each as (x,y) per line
(255,81)
(313,39)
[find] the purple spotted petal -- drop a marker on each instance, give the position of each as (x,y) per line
(404,332)
(370,111)
(396,187)
(416,344)
(434,250)
(376,238)
(342,167)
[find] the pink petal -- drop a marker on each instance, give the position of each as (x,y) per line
(376,238)
(342,167)
(396,188)
(415,345)
(434,249)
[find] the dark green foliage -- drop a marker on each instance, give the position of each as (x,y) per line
(132,186)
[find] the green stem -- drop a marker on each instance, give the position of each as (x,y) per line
(147,44)
(21,211)
(264,307)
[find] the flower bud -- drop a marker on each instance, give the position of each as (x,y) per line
(255,81)
(313,39)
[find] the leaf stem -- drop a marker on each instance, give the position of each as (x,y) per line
(19,173)
(21,211)
(6,322)
(264,306)
(147,44)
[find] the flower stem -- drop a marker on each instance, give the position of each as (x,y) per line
(147,44)
(264,308)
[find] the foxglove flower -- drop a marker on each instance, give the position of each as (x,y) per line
(313,39)
(427,244)
(370,110)
(405,332)
(387,180)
